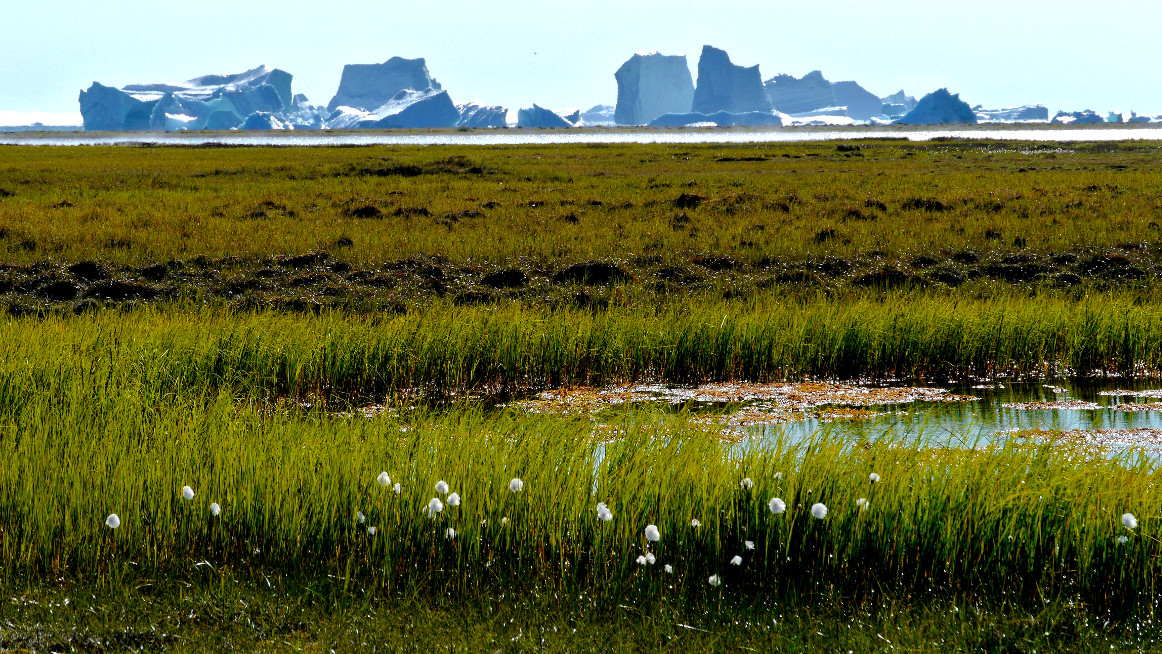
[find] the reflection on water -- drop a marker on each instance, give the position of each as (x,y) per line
(1007,407)
(583,136)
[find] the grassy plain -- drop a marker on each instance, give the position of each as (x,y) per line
(212,316)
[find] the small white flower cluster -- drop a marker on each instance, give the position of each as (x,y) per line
(746,483)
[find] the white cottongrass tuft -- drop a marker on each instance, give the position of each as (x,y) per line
(1122,540)
(778,475)
(383,479)
(398,489)
(652,533)
(777,506)
(641,560)
(819,510)
(737,560)
(187,493)
(215,509)
(372,530)
(112,521)
(650,558)
(504,520)
(603,512)
(749,544)
(669,569)
(516,485)
(715,580)
(450,533)
(746,483)
(861,503)
(874,477)
(695,523)
(434,507)
(442,487)
(358,516)
(454,499)
(1129,521)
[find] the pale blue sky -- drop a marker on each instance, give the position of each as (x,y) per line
(1068,55)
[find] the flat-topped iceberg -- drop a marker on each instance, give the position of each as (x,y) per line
(371,86)
(793,95)
(723,86)
(1028,114)
(1084,117)
(649,85)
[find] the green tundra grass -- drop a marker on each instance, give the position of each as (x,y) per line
(213,317)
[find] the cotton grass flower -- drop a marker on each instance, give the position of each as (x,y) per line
(516,485)
(383,479)
(746,483)
(454,499)
(652,533)
(819,510)
(777,505)
(669,569)
(778,475)
(641,560)
(715,581)
(1122,540)
(1129,521)
(861,503)
(215,509)
(603,512)
(695,523)
(187,493)
(371,531)
(749,544)
(434,507)
(359,516)
(874,477)
(398,489)
(450,533)
(442,487)
(650,558)
(112,521)
(737,560)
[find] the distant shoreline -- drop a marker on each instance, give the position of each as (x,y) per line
(50,136)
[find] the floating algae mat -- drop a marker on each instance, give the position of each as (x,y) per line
(1107,414)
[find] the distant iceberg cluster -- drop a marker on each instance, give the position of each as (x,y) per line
(653,90)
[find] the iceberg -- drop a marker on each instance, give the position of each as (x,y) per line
(371,86)
(939,107)
(792,95)
(723,86)
(1028,114)
(474,114)
(538,116)
(897,104)
(1084,117)
(407,109)
(649,85)
(599,115)
(861,104)
(158,106)
(719,119)
(265,121)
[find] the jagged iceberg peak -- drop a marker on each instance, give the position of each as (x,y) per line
(407,109)
(1083,117)
(370,86)
(939,107)
(861,104)
(793,95)
(476,114)
(650,85)
(206,102)
(723,86)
